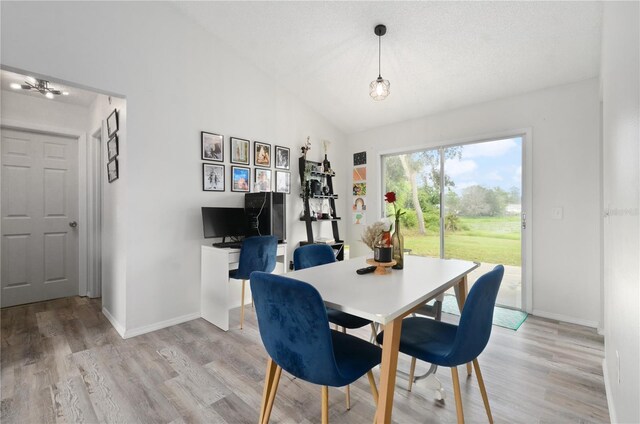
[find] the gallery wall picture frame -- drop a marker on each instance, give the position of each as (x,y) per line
(283,182)
(262,179)
(213,177)
(112,148)
(240,179)
(212,146)
(112,170)
(239,150)
(262,154)
(112,123)
(282,157)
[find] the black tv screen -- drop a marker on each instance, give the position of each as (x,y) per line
(224,222)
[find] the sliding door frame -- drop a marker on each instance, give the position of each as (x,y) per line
(527,193)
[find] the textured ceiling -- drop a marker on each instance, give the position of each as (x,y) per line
(437,55)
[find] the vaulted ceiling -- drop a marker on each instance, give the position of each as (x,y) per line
(437,55)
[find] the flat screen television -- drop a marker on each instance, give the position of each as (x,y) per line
(224,222)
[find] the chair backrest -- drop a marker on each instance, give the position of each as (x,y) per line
(257,254)
(312,255)
(294,328)
(476,319)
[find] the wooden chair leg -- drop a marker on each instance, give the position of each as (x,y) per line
(348,391)
(325,405)
(456,391)
(483,390)
(242,305)
(268,382)
(374,389)
(272,395)
(412,371)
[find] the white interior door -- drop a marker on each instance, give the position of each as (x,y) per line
(39,207)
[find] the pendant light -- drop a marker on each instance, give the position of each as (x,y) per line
(379,88)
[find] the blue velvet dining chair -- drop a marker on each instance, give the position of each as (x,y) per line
(451,345)
(311,255)
(256,254)
(293,325)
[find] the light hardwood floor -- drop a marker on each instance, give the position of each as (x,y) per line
(62,362)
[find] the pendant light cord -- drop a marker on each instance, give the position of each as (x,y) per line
(379,48)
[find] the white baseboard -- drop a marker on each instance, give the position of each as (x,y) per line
(118,327)
(607,388)
(565,318)
(159,325)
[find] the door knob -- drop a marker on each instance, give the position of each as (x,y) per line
(73,224)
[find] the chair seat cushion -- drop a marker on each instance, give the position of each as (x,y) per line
(427,339)
(238,275)
(354,357)
(346,320)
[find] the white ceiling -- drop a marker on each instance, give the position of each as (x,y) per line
(76,96)
(437,55)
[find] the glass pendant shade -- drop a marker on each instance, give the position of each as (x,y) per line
(379,89)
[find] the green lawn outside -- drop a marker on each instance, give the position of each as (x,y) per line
(487,239)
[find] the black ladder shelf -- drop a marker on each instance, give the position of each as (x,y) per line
(325,179)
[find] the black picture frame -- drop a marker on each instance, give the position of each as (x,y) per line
(359,158)
(239,148)
(212,146)
(259,182)
(112,148)
(213,177)
(282,157)
(238,172)
(284,185)
(262,154)
(112,123)
(112,170)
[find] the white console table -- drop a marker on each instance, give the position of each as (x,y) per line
(219,294)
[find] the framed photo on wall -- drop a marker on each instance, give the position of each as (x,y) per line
(240,178)
(212,146)
(283,182)
(239,151)
(212,177)
(262,179)
(112,147)
(112,123)
(112,170)
(262,154)
(283,155)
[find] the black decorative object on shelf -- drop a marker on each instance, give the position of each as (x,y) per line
(326,165)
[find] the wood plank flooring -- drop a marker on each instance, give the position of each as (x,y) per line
(62,362)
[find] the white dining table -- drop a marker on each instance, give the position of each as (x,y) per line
(387,299)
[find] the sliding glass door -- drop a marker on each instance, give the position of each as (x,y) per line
(464,202)
(415,178)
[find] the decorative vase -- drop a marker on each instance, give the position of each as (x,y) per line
(326,165)
(398,247)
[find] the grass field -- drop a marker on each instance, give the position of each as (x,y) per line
(486,239)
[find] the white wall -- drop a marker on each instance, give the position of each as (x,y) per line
(114,207)
(43,112)
(178,80)
(565,143)
(621,130)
